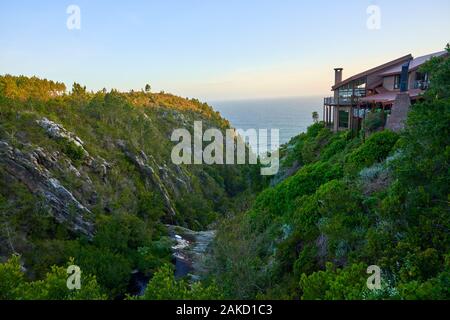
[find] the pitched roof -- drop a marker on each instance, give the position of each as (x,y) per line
(415,63)
(392,63)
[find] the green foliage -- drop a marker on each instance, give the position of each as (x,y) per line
(24,88)
(78,89)
(282,199)
(73,151)
(157,254)
(335,284)
(337,145)
(438,70)
(164,286)
(11,278)
(297,144)
(121,233)
(13,285)
(315,116)
(374,121)
(433,289)
(377,147)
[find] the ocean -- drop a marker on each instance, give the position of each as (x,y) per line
(291,116)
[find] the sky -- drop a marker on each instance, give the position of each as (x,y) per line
(215,49)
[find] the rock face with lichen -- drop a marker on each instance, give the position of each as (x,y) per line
(57,131)
(150,175)
(31,170)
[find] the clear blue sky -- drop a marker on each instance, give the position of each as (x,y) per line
(214,49)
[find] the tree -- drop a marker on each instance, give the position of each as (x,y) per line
(148,88)
(315,117)
(78,89)
(54,287)
(438,68)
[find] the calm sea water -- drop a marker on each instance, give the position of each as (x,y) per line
(291,116)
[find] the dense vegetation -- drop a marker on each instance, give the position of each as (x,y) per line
(122,174)
(342,202)
(352,203)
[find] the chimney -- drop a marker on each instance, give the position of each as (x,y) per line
(338,75)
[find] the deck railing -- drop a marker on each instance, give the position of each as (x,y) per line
(328,101)
(342,101)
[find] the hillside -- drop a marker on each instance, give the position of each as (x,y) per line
(343,203)
(88,176)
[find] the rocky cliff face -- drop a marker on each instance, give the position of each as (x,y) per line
(32,170)
(146,166)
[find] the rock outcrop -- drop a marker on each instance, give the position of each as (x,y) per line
(57,131)
(31,170)
(151,178)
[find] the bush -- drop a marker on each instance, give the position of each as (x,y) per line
(53,287)
(335,284)
(164,286)
(376,149)
(374,121)
(73,151)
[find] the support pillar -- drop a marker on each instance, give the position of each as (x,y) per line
(330,109)
(323,115)
(328,115)
(350,118)
(336,118)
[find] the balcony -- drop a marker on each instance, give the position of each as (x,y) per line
(341,101)
(347,96)
(329,101)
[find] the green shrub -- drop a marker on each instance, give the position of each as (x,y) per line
(376,149)
(54,287)
(164,286)
(335,284)
(374,121)
(73,151)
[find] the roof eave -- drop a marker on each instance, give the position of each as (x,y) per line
(370,71)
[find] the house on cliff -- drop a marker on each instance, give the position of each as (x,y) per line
(391,87)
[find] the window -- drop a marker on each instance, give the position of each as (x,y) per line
(345,94)
(421,76)
(421,81)
(397,80)
(354,89)
(343,119)
(360,88)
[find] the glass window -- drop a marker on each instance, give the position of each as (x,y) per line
(421,81)
(397,80)
(356,88)
(421,76)
(343,119)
